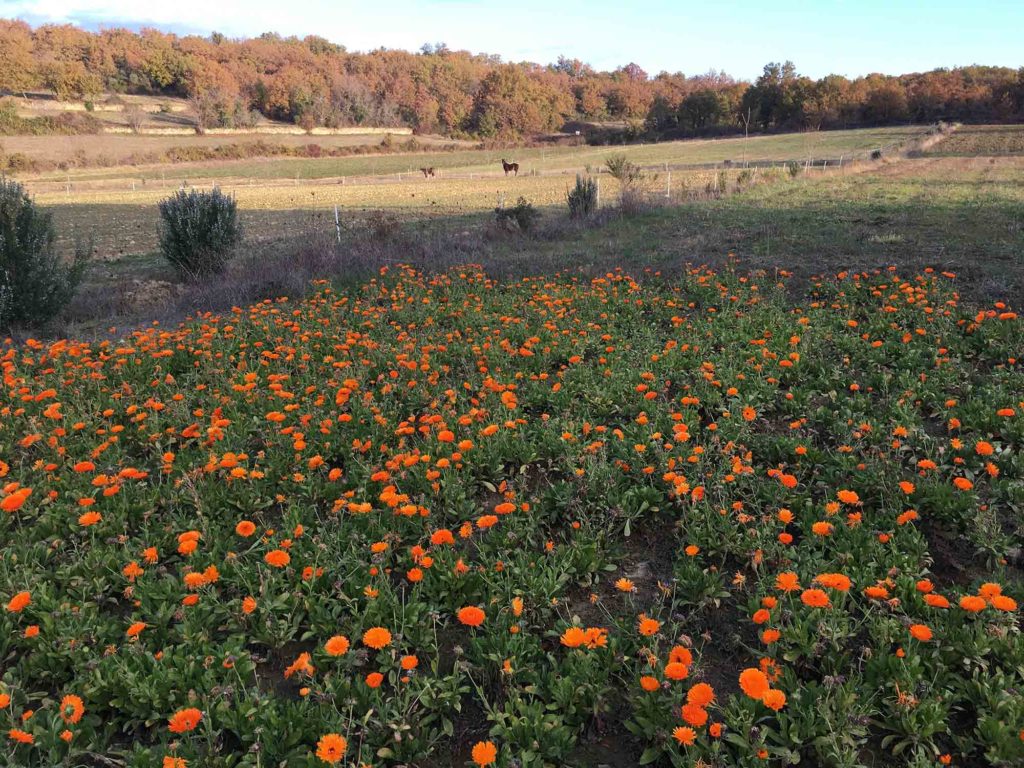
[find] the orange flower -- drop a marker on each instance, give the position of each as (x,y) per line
(376,638)
(374,679)
(648,626)
(71,709)
(245,528)
(787,582)
(685,736)
(649,684)
(89,518)
(20,736)
(822,528)
(675,670)
(471,616)
(972,603)
(625,585)
(184,720)
(409,663)
(962,483)
(574,637)
(920,632)
(694,715)
(754,682)
(337,646)
(484,753)
(277,558)
(135,629)
(774,699)
(331,748)
(300,665)
(815,598)
(848,497)
(700,695)
(19,602)
(835,581)
(248,605)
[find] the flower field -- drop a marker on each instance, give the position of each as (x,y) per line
(443,520)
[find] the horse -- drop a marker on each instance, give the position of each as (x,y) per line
(514,167)
(427,172)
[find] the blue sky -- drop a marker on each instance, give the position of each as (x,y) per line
(851,37)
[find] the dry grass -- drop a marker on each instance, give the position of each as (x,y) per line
(117,149)
(981,140)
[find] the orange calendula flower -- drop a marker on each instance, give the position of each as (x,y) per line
(787,582)
(471,616)
(648,627)
(815,598)
(700,695)
(71,709)
(684,735)
(754,683)
(245,528)
(484,753)
(277,558)
(920,632)
(774,699)
(376,638)
(574,637)
(331,748)
(649,684)
(337,646)
(848,497)
(184,720)
(19,602)
(20,736)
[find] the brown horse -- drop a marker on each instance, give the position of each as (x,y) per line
(514,167)
(427,172)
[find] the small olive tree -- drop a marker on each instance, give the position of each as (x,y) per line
(35,284)
(199,232)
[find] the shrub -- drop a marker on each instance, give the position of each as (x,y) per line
(626,172)
(522,216)
(199,231)
(582,198)
(34,283)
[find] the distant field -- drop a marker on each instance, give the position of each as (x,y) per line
(117,149)
(979,140)
(798,146)
(960,214)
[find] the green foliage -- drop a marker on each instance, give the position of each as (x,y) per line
(34,284)
(624,170)
(582,198)
(520,217)
(199,231)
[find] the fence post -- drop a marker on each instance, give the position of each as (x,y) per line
(598,191)
(337,224)
(668,187)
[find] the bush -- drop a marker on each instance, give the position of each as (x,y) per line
(199,231)
(622,169)
(582,198)
(522,216)
(34,284)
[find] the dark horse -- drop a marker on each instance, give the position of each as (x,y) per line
(514,167)
(427,172)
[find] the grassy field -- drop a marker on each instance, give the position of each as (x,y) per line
(796,147)
(984,140)
(118,150)
(948,213)
(116,208)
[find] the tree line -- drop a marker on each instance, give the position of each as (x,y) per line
(312,81)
